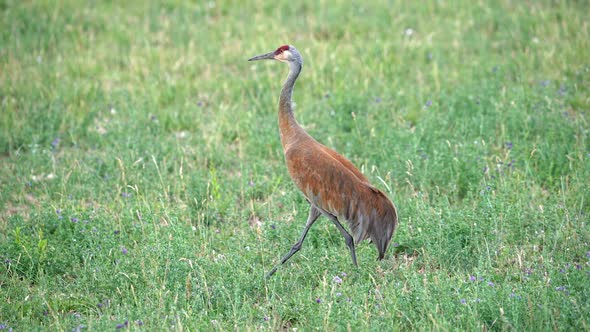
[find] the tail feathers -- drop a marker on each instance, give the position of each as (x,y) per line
(377,223)
(383,231)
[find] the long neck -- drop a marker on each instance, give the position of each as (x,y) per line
(288,126)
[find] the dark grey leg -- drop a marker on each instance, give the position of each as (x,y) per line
(347,237)
(314,213)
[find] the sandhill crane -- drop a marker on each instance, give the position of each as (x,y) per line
(330,183)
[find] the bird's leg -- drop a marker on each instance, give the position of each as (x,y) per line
(314,213)
(347,237)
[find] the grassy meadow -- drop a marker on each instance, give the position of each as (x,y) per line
(143,185)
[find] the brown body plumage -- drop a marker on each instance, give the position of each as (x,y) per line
(331,183)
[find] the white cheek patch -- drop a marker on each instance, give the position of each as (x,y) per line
(284,56)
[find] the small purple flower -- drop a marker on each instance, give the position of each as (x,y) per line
(273,226)
(561,271)
(3,326)
(78,328)
(318,300)
(343,274)
(266,318)
(337,280)
(100,305)
(463,301)
(200,103)
(377,100)
(124,250)
(251,183)
(578,267)
(508,145)
(560,288)
(428,104)
(396,244)
(55,143)
(74,219)
(122,325)
(472,278)
(116,232)
(338,294)
(125,194)
(58,211)
(491,284)
(588,254)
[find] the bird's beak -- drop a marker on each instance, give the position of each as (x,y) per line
(267,56)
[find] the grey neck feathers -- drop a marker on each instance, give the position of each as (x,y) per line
(287,91)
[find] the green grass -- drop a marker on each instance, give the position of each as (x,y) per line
(142,176)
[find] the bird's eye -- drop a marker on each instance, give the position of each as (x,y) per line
(282,49)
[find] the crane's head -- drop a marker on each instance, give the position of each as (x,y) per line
(285,53)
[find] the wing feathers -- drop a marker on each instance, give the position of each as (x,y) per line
(332,183)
